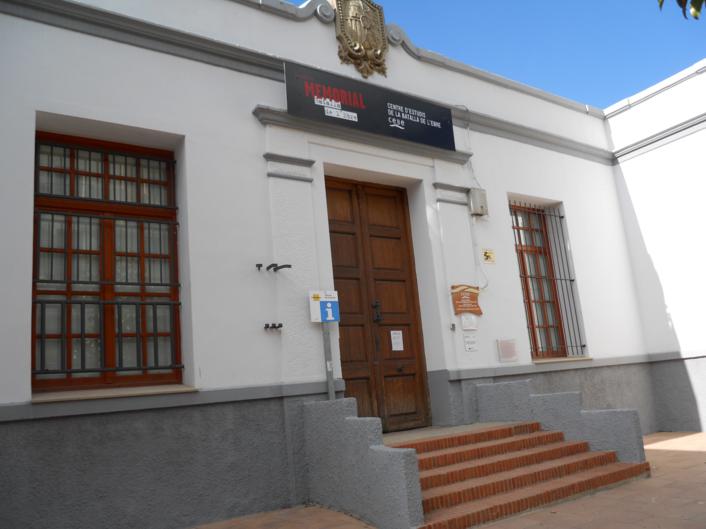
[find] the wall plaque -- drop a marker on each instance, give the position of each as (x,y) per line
(465,299)
(328,98)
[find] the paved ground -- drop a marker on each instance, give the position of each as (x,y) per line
(673,498)
(296,518)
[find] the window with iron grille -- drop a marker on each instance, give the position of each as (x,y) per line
(105,280)
(548,286)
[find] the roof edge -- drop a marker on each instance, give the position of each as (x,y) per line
(670,82)
(398,37)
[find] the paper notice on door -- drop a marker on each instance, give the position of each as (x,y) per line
(397,340)
(470,342)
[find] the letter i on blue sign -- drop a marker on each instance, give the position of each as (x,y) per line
(329,311)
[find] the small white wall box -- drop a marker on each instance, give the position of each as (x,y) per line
(507,351)
(479,202)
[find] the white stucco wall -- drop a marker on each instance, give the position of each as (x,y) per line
(661,191)
(233,216)
(52,70)
(663,194)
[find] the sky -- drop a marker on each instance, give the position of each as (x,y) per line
(595,51)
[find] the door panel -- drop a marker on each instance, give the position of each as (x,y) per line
(380,333)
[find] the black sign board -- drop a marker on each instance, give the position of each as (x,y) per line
(333,99)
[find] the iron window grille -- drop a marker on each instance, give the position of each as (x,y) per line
(105,291)
(548,284)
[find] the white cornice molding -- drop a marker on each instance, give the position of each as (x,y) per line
(320,8)
(126,30)
(486,124)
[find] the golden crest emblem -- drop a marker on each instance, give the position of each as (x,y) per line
(361,34)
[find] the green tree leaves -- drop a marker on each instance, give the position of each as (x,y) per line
(694,7)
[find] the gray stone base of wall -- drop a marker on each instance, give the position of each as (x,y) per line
(154,469)
(617,430)
(178,467)
(668,395)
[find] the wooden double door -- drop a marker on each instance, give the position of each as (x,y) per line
(382,354)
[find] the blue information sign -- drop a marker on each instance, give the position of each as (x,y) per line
(329,311)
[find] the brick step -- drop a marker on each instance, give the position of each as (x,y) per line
(483,487)
(450,456)
(489,465)
(501,505)
(491,433)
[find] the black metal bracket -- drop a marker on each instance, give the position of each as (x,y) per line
(271,266)
(280,267)
(259,267)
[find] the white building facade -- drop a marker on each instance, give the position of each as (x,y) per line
(151,142)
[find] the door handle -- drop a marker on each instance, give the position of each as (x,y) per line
(377,315)
(400,369)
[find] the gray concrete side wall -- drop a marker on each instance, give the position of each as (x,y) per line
(669,395)
(627,386)
(680,394)
(617,430)
(159,469)
(350,470)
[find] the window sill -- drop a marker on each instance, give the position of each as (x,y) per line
(109,393)
(561,360)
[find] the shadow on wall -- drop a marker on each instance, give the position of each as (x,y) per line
(674,393)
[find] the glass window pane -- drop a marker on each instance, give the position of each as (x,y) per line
(542,339)
(164,351)
(547,293)
(165,271)
(117,165)
(543,266)
(538,314)
(45,230)
(89,187)
(44,266)
(551,318)
(128,314)
(535,220)
(131,192)
(58,271)
(83,160)
(60,158)
(58,231)
(165,239)
(85,234)
(127,269)
(154,194)
(117,190)
(554,335)
(59,184)
(535,294)
(44,182)
(129,357)
(44,155)
(163,319)
(152,233)
(52,354)
(91,354)
(538,239)
(53,319)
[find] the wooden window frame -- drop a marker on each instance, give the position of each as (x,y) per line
(532,251)
(144,297)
